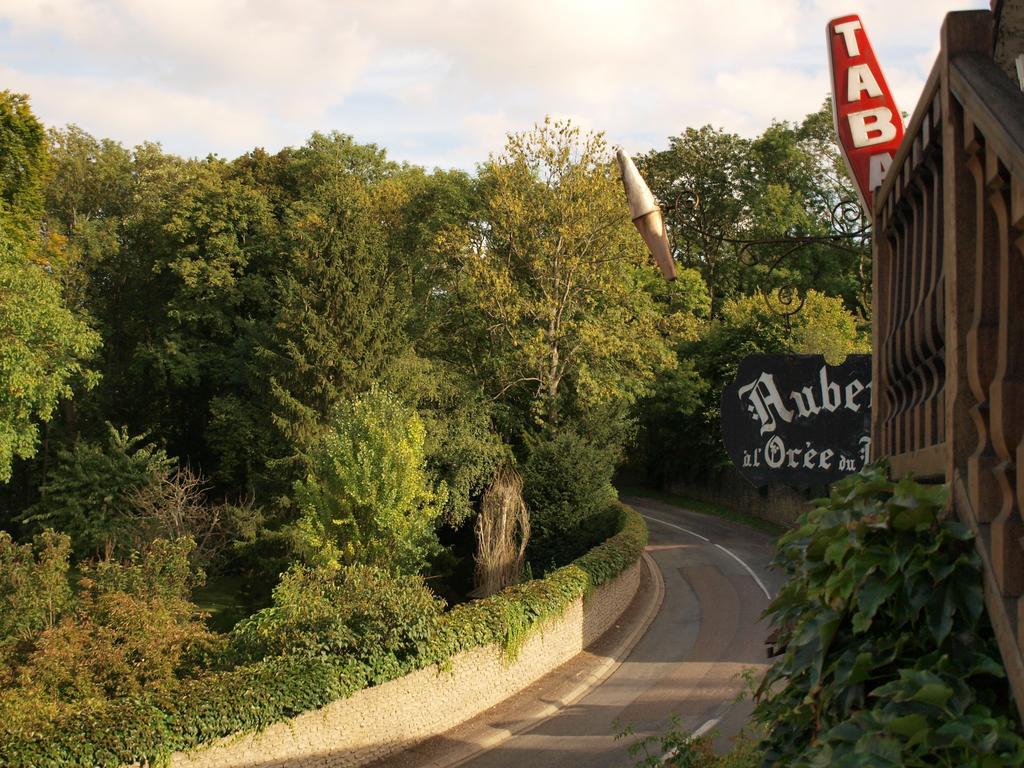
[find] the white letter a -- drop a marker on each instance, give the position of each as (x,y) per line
(861,78)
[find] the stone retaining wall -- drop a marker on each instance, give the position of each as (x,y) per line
(776,503)
(385,719)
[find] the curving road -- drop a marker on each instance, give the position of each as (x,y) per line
(688,662)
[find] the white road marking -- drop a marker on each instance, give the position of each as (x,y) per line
(677,527)
(705,728)
(695,735)
(714,721)
(730,553)
(750,570)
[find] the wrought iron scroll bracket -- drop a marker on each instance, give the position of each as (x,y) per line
(850,232)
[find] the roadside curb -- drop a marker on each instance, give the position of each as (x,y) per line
(615,657)
(622,649)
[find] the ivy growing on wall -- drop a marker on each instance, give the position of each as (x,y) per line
(250,697)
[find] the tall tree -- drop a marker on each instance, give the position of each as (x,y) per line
(763,213)
(367,497)
(338,323)
(45,345)
(22,162)
(702,180)
(556,280)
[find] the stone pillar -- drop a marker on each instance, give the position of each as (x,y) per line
(1008,43)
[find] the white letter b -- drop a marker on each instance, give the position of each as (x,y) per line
(879,130)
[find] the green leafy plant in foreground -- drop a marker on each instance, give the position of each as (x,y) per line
(888,656)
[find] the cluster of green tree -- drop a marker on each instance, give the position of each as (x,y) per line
(299,364)
(122,671)
(316,363)
(773,229)
(290,327)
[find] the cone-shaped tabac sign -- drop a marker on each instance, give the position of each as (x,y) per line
(646,215)
(868,123)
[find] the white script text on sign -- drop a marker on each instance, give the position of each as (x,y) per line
(797,420)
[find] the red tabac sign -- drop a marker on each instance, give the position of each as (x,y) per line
(869,125)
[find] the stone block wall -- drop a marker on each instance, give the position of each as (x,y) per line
(385,719)
(778,504)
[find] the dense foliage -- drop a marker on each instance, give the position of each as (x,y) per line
(888,658)
(367,498)
(298,372)
(127,630)
(784,263)
(45,345)
(569,326)
(243,304)
(301,673)
(89,491)
(354,611)
(568,486)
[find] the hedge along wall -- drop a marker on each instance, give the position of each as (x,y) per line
(484,652)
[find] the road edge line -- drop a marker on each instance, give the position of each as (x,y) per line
(673,525)
(749,570)
(624,648)
(602,672)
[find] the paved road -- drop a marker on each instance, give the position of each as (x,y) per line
(689,661)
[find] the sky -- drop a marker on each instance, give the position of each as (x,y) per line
(440,82)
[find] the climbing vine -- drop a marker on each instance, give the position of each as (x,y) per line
(888,658)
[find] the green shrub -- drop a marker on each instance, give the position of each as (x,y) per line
(675,748)
(88,494)
(149,728)
(368,498)
(131,632)
(35,595)
(34,589)
(360,612)
(199,710)
(568,491)
(888,657)
(508,617)
(610,558)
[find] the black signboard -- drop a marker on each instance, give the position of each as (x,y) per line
(796,420)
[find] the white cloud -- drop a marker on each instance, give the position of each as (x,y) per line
(484,133)
(438,81)
(756,91)
(304,53)
(134,110)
